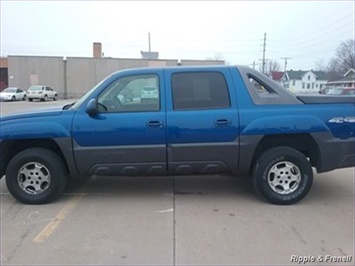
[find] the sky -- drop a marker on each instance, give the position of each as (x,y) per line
(307,32)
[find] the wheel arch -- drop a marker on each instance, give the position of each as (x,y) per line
(303,143)
(10,148)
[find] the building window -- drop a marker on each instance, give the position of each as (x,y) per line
(309,77)
(320,86)
(312,85)
(308,85)
(316,86)
(303,85)
(294,82)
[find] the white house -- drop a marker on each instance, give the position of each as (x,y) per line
(347,81)
(304,81)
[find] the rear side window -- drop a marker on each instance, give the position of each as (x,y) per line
(199,90)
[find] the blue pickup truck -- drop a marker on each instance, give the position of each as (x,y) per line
(180,121)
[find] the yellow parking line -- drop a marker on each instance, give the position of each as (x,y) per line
(61,215)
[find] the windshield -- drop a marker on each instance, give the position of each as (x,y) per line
(150,89)
(87,95)
(10,90)
(35,88)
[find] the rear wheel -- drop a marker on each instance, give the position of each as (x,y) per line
(36,176)
(282,175)
(24,98)
(30,99)
(55,97)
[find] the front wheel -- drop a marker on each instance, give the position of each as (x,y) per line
(36,176)
(282,175)
(55,97)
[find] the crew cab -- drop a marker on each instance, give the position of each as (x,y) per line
(201,121)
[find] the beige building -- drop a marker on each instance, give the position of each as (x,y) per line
(72,77)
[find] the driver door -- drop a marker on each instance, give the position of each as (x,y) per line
(127,136)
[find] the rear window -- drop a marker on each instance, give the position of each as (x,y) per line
(150,89)
(35,88)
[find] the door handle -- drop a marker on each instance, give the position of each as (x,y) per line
(154,124)
(223,122)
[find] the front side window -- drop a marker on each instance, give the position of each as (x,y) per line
(199,90)
(131,94)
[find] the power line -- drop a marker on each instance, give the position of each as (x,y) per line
(320,37)
(318,44)
(323,28)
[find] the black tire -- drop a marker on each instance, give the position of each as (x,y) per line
(45,98)
(24,98)
(30,99)
(55,97)
(282,175)
(36,176)
(13,98)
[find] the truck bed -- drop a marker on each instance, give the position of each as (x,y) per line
(313,99)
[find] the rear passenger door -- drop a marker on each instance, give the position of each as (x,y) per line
(202,119)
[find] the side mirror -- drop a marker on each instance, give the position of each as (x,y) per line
(91,107)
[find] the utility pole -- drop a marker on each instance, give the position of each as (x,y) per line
(149,45)
(285,58)
(264,50)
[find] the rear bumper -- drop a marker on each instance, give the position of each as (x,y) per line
(334,153)
(35,96)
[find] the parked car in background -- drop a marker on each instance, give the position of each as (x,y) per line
(325,90)
(12,94)
(149,94)
(341,91)
(43,93)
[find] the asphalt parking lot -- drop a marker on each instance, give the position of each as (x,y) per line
(191,220)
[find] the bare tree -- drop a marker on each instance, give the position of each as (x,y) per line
(320,65)
(271,66)
(218,56)
(343,60)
